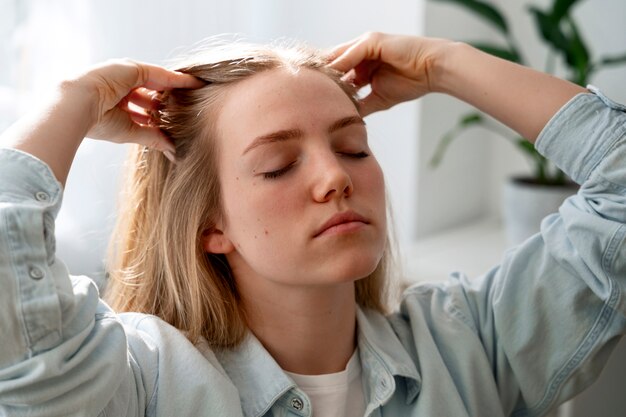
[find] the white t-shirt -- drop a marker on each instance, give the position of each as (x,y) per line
(335,395)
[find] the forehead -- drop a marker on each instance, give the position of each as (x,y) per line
(282,99)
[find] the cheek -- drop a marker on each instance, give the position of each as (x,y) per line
(371,179)
(256,210)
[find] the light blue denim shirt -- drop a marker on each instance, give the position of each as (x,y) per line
(527,335)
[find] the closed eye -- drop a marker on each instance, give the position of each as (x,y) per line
(357,155)
(279,172)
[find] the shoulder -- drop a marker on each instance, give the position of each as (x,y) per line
(436,303)
(172,366)
(151,333)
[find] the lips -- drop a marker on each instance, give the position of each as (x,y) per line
(339,219)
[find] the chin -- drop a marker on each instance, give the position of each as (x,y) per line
(353,267)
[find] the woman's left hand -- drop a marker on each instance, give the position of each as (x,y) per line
(398,68)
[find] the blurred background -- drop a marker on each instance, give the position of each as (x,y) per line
(447,219)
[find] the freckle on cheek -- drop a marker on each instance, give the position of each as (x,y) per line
(237,178)
(266,232)
(255,236)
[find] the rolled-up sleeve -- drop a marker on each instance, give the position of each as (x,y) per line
(556,305)
(544,321)
(31,291)
(63,351)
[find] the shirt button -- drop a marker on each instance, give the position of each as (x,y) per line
(41,196)
(297,403)
(36,273)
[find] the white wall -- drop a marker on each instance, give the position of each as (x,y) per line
(455,192)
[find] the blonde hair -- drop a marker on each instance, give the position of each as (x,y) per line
(157,264)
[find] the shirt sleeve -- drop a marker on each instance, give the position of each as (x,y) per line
(63,351)
(550,314)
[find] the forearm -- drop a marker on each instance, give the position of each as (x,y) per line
(519,97)
(54,131)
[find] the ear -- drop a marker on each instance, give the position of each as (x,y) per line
(215,241)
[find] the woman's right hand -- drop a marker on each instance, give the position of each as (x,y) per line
(398,68)
(116,84)
(97,104)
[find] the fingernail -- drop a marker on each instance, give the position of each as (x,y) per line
(170,155)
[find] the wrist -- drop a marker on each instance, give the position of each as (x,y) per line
(447,67)
(78,101)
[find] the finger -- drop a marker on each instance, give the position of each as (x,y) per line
(153,138)
(149,136)
(146,99)
(138,127)
(338,50)
(364,49)
(364,72)
(371,104)
(160,79)
(348,59)
(140,118)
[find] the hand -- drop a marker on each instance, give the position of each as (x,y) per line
(398,68)
(401,68)
(96,104)
(114,85)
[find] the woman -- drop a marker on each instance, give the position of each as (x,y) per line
(258,236)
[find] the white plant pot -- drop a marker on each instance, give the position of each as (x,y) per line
(525,204)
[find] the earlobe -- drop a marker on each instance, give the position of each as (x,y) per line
(215,241)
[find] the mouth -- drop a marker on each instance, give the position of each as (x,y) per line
(344,222)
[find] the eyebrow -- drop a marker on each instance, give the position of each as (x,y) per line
(287,134)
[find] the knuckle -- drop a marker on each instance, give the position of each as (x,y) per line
(142,72)
(373,36)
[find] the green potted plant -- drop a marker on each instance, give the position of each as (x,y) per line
(528,199)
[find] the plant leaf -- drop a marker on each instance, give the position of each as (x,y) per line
(528,148)
(500,52)
(539,162)
(613,60)
(560,8)
(578,54)
(550,31)
(570,45)
(465,122)
(485,10)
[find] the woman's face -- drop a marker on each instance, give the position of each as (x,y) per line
(303,196)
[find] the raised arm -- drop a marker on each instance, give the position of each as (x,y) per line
(402,68)
(96,104)
(544,321)
(62,351)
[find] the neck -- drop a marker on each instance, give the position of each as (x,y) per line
(308,331)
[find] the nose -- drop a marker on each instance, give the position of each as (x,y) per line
(332,180)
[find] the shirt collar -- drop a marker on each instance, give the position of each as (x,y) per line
(261,381)
(383,357)
(257,376)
